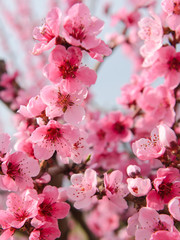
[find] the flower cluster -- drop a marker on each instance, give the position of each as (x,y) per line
(117,173)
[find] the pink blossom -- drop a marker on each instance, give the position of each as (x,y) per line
(83,188)
(50,206)
(128,18)
(167,65)
(115,189)
(118,127)
(18,170)
(65,64)
(72,2)
(158,102)
(21,207)
(48,32)
(7,233)
(172,8)
(151,32)
(104,218)
(100,51)
(165,235)
(150,221)
(62,103)
(80,29)
(167,185)
(131,91)
(53,137)
(139,187)
(174,208)
(80,150)
(97,136)
(161,136)
(44,230)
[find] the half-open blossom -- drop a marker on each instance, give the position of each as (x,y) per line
(174,208)
(65,64)
(115,189)
(62,103)
(161,136)
(53,137)
(18,170)
(34,108)
(133,171)
(48,32)
(167,186)
(44,230)
(83,188)
(139,187)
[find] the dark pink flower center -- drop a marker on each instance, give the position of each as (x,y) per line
(67,70)
(64,101)
(77,145)
(101,134)
(21,215)
(165,189)
(112,189)
(13,170)
(47,32)
(2,154)
(119,127)
(174,64)
(176,9)
(53,134)
(135,189)
(78,33)
(46,209)
(160,227)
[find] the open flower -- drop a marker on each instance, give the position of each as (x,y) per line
(83,188)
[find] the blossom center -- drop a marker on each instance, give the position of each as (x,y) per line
(112,189)
(118,127)
(147,32)
(176,9)
(64,101)
(20,216)
(78,33)
(160,227)
(47,32)
(67,70)
(174,64)
(101,134)
(53,134)
(165,189)
(13,170)
(46,209)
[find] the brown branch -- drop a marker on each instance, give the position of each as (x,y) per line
(78,217)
